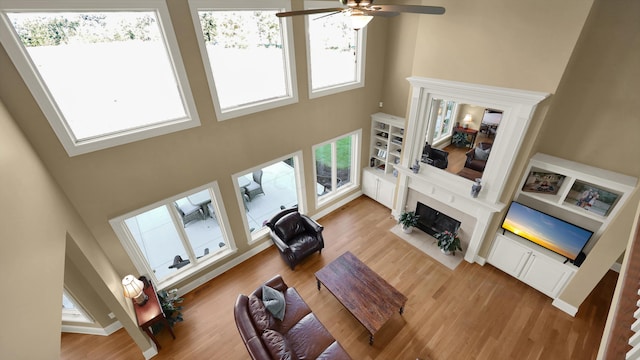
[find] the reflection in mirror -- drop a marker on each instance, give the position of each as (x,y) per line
(459,137)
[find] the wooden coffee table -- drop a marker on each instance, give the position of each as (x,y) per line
(367,296)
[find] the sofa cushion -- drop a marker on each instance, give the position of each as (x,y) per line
(482,154)
(309,337)
(289,226)
(278,346)
(262,319)
(274,302)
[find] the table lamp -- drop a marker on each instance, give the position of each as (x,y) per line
(467,119)
(134,289)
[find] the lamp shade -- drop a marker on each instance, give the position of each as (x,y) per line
(467,118)
(134,288)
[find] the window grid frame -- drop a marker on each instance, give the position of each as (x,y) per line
(39,89)
(286,30)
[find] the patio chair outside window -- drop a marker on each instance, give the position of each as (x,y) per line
(189,213)
(255,187)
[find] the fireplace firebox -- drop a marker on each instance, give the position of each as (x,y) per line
(433,221)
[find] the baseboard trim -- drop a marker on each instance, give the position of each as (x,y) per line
(616,267)
(564,306)
(92,330)
(335,206)
(150,352)
(221,269)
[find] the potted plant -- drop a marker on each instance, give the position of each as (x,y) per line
(408,219)
(459,139)
(169,301)
(448,242)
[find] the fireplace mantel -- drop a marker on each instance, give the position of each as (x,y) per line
(451,190)
(455,195)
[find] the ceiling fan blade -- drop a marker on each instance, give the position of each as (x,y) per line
(381,13)
(333,13)
(307,12)
(417,9)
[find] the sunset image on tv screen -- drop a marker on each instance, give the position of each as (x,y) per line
(545,230)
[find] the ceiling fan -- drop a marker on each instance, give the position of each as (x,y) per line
(362,11)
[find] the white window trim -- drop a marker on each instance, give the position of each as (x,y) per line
(78,314)
(37,86)
(360,57)
(355,166)
(300,191)
(287,46)
(138,259)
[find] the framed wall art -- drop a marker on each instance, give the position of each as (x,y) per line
(543,182)
(591,198)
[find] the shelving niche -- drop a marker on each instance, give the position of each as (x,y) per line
(541,268)
(387,137)
(563,204)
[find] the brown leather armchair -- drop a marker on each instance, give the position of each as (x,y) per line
(478,156)
(295,235)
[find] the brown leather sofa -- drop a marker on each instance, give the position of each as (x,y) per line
(299,335)
(295,235)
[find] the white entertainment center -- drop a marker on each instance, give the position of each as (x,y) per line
(539,267)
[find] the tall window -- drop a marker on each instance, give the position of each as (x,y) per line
(266,190)
(173,238)
(247,54)
(444,124)
(336,165)
(102,77)
(335,52)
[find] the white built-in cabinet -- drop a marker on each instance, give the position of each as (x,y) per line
(378,187)
(538,267)
(543,270)
(385,150)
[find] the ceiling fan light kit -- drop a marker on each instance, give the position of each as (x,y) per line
(358,21)
(361,12)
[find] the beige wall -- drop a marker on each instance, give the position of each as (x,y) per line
(33,305)
(501,42)
(513,44)
(35,233)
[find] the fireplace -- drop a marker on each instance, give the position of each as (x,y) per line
(433,221)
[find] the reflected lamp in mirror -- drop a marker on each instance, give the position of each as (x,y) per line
(134,289)
(467,120)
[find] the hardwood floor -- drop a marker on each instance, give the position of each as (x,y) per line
(472,312)
(457,155)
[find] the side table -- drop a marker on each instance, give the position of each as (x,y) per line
(470,133)
(151,313)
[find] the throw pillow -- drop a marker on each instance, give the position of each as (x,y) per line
(482,154)
(259,314)
(278,345)
(274,301)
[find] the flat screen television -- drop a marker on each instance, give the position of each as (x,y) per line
(545,230)
(433,221)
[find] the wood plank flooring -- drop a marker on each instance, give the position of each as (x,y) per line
(472,312)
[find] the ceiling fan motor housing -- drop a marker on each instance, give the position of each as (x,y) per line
(356,3)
